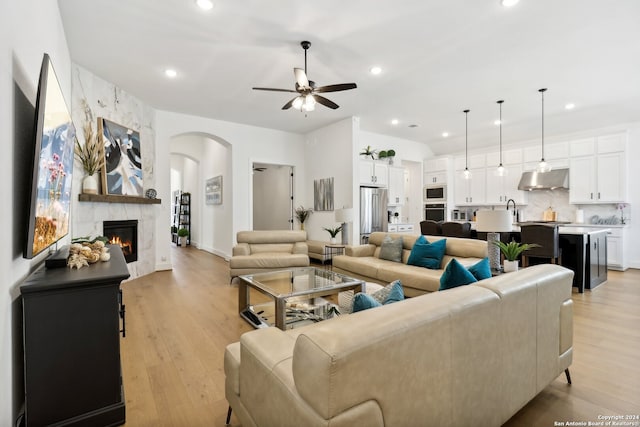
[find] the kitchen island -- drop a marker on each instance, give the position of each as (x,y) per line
(584,251)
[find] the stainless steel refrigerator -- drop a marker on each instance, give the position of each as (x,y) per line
(373,211)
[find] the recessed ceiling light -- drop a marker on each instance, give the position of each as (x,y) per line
(375,70)
(170,73)
(570,106)
(497,123)
(509,3)
(413,126)
(394,122)
(204,4)
(445,134)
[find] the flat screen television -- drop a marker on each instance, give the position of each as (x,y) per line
(55,135)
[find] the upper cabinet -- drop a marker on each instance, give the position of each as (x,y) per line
(597,170)
(373,173)
(396,186)
(436,170)
(470,191)
(556,154)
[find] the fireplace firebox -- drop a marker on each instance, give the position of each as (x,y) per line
(125,234)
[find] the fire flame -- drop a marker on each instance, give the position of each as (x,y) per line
(127,246)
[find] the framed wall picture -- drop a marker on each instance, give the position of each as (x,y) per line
(323,194)
(122,171)
(213,191)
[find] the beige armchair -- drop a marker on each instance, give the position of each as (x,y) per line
(258,251)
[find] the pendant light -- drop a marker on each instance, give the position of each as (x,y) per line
(467,172)
(543,166)
(501,171)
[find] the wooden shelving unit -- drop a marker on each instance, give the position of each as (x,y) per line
(181,208)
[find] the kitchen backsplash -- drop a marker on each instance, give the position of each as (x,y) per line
(558,200)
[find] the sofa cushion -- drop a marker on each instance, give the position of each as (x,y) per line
(455,275)
(269,260)
(481,270)
(428,255)
(391,249)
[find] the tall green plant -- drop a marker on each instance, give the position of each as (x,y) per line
(513,249)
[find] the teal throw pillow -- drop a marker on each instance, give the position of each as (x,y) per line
(428,255)
(391,249)
(363,302)
(391,293)
(481,270)
(455,274)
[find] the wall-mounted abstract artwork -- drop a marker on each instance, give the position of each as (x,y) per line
(323,194)
(122,174)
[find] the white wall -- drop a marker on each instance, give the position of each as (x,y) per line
(28,29)
(246,145)
(330,152)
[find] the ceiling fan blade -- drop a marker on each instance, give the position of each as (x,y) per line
(273,89)
(336,88)
(326,102)
(301,77)
(289,104)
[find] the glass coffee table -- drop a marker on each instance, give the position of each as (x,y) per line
(292,297)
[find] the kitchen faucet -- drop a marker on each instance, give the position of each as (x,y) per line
(514,208)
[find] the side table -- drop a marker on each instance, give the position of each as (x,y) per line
(332,250)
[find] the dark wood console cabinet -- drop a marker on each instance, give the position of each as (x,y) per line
(71,334)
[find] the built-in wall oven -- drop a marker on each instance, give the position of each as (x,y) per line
(435,211)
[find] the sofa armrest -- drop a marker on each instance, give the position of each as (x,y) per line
(360,250)
(300,248)
(241,249)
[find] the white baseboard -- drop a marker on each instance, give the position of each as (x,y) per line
(216,252)
(164,266)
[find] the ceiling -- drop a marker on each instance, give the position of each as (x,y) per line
(438,58)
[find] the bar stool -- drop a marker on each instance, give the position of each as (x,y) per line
(456,229)
(431,228)
(547,236)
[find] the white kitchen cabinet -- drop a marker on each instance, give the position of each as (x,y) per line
(555,154)
(502,188)
(615,249)
(374,174)
(396,186)
(597,171)
(472,191)
(435,170)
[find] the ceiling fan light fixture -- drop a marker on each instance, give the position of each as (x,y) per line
(309,103)
(297,103)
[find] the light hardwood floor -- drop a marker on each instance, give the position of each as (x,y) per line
(179,322)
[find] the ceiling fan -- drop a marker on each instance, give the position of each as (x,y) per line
(306,89)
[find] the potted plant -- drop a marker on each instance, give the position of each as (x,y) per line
(333,232)
(511,252)
(390,155)
(368,152)
(302,214)
(183,233)
(91,158)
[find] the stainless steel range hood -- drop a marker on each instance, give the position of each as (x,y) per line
(552,180)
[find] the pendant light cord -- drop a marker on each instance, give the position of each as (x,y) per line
(542,91)
(500,104)
(466,141)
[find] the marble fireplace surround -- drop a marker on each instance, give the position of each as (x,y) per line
(91,214)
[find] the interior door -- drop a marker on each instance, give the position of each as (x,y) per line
(272,197)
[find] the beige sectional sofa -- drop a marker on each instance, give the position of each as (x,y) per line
(472,355)
(258,251)
(363,262)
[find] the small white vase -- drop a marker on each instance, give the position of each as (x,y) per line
(90,184)
(333,240)
(510,266)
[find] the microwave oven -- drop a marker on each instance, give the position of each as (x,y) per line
(435,193)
